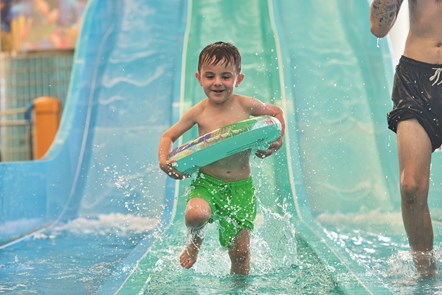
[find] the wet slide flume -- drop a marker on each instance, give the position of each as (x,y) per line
(97,216)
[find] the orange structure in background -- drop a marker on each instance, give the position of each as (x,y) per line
(46,120)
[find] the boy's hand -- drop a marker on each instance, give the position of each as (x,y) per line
(273,147)
(172,172)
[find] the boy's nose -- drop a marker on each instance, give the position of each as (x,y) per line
(218,81)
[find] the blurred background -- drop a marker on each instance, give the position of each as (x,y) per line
(37,44)
(38,39)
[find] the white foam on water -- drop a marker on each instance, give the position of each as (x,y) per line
(10,227)
(122,225)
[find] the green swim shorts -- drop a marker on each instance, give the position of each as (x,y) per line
(233,204)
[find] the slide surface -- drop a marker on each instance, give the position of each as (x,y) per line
(97,215)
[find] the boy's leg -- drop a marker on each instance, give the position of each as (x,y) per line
(197,213)
(239,253)
(414,149)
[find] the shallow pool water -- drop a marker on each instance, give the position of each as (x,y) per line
(74,258)
(376,241)
(303,274)
(282,260)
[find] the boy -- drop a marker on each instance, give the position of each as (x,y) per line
(417,115)
(223,190)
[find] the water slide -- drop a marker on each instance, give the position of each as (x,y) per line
(97,215)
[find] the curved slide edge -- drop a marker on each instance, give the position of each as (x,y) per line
(317,114)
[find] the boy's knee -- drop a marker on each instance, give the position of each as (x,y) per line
(197,213)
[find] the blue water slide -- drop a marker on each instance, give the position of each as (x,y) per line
(97,216)
(338,79)
(124,82)
(320,63)
(102,168)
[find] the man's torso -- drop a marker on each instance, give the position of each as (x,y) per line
(424,41)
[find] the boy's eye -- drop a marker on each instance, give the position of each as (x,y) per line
(211,76)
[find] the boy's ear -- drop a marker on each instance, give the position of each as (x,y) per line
(239,79)
(198,77)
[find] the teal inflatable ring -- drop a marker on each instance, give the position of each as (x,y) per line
(254,133)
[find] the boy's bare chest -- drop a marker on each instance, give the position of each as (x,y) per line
(210,121)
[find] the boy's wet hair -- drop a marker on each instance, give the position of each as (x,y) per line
(220,52)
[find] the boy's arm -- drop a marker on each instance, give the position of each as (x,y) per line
(166,144)
(383,14)
(164,148)
(258,108)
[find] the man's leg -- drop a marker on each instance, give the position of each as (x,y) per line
(414,149)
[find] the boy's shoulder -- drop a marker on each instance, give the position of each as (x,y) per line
(199,106)
(247,101)
(244,98)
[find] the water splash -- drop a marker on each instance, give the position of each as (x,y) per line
(277,256)
(385,255)
(113,223)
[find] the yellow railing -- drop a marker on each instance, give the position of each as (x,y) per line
(41,121)
(23,77)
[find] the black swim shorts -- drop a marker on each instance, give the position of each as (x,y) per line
(417,94)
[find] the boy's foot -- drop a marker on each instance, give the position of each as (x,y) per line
(189,255)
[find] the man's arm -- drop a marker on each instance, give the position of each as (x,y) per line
(383,14)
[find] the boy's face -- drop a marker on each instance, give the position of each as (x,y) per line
(219,81)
